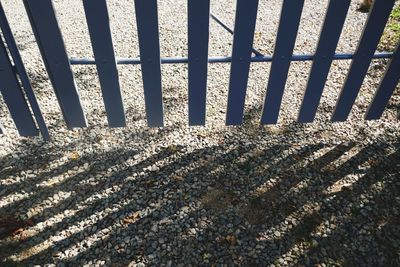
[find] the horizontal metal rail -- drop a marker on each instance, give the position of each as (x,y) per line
(183,60)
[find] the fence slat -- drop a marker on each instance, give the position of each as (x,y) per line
(48,36)
(359,66)
(386,88)
(149,46)
(329,37)
(286,38)
(198,31)
(13,96)
(245,22)
(19,66)
(100,35)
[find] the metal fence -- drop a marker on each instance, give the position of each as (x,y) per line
(19,97)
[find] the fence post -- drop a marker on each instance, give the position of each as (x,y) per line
(328,39)
(245,22)
(14,97)
(198,31)
(149,46)
(19,65)
(51,45)
(100,36)
(285,41)
(386,87)
(371,35)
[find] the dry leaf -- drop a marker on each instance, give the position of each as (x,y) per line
(173,148)
(75,133)
(206,256)
(131,218)
(374,162)
(11,226)
(74,155)
(202,135)
(297,157)
(296,146)
(177,178)
(231,239)
(257,36)
(328,168)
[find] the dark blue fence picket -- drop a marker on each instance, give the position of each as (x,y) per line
(20,68)
(149,46)
(386,88)
(366,48)
(245,22)
(14,97)
(198,31)
(329,37)
(286,38)
(100,36)
(49,39)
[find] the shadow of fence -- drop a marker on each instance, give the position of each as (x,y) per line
(233,202)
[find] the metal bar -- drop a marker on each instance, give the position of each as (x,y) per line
(198,32)
(386,88)
(49,39)
(100,34)
(149,46)
(223,25)
(20,68)
(286,38)
(329,37)
(184,60)
(370,38)
(245,22)
(14,97)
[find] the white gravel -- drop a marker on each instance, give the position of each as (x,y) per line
(290,194)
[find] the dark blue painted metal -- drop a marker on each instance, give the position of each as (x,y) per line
(19,65)
(223,25)
(198,31)
(14,97)
(100,35)
(149,46)
(329,37)
(51,45)
(388,83)
(183,60)
(286,38)
(370,38)
(245,22)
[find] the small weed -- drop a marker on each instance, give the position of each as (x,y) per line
(391,34)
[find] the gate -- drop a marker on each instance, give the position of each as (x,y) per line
(18,95)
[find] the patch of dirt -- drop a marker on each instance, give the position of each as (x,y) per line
(262,205)
(11,226)
(217,199)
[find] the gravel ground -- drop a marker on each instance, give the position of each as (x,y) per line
(318,194)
